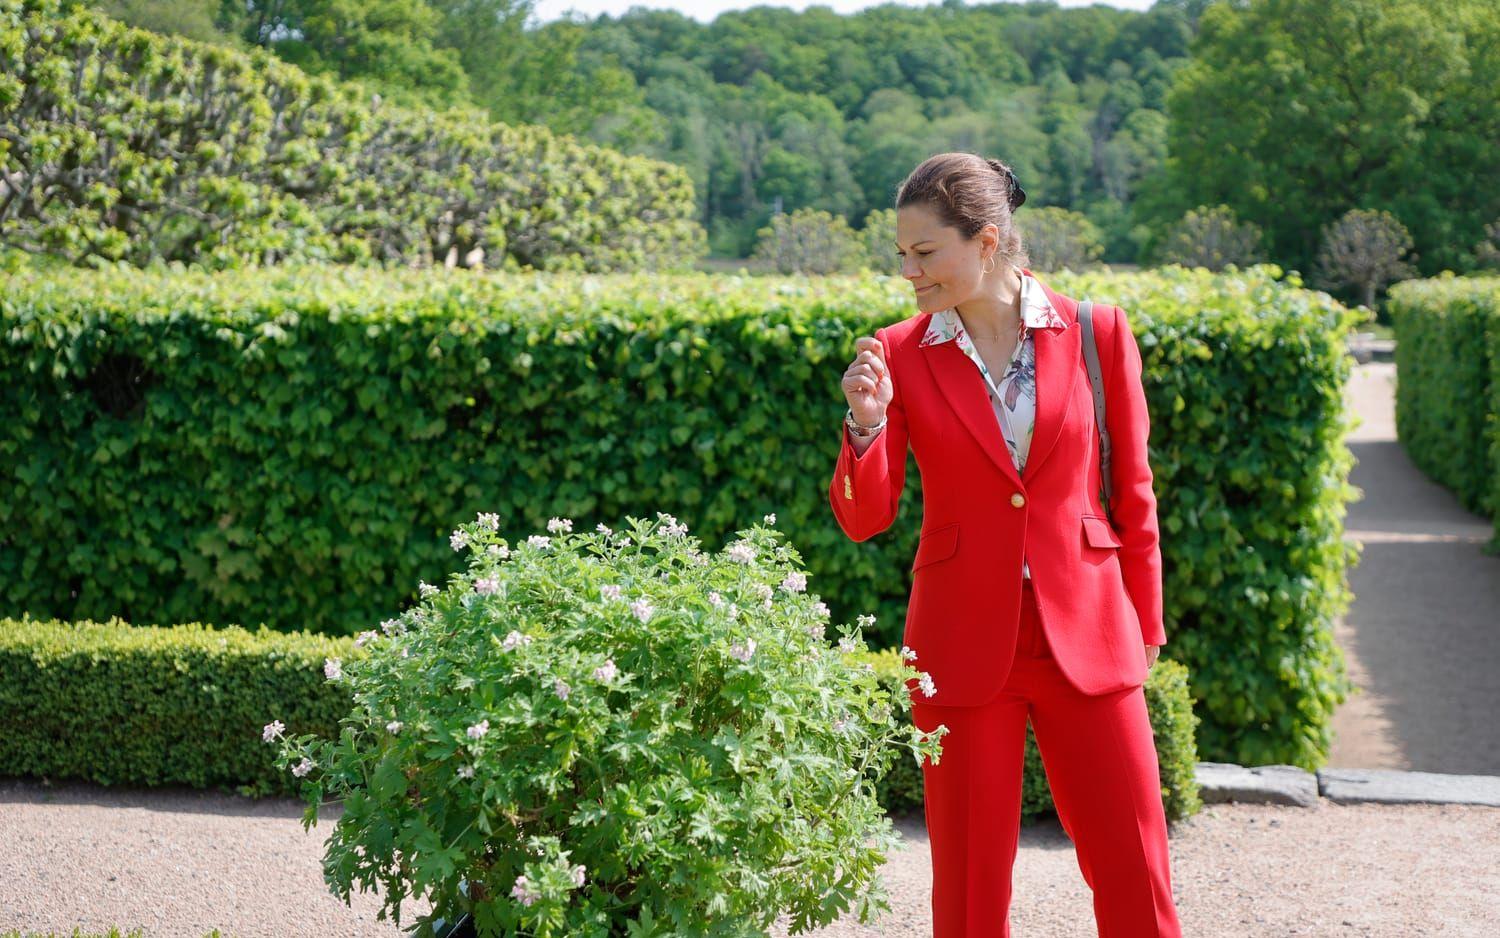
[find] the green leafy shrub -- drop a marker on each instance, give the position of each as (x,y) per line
(1448,392)
(602,731)
(289,447)
(1213,238)
(1060,239)
(141,148)
(809,241)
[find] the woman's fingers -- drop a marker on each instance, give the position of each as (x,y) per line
(871,354)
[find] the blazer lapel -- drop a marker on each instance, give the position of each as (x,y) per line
(1058,353)
(963,387)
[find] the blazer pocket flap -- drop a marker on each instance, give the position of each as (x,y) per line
(937,544)
(1099,532)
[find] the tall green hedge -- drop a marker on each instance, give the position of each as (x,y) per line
(293,447)
(1448,385)
(118,704)
(121,144)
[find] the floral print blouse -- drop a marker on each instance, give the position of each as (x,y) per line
(1013,394)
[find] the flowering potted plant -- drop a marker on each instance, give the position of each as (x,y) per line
(607,733)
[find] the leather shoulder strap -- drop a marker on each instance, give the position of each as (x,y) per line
(1096,379)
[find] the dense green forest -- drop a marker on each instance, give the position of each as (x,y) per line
(1289,113)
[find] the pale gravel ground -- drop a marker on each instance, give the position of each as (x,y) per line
(178,862)
(1420,638)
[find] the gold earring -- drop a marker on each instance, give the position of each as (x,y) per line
(989,263)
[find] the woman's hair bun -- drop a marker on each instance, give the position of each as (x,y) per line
(1017,195)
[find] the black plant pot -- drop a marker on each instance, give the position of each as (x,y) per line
(461,927)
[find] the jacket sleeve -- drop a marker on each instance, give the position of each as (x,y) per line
(1133,504)
(866,489)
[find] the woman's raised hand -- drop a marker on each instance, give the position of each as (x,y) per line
(867,382)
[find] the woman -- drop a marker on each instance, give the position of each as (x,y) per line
(1027,600)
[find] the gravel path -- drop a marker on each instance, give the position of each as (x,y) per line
(178,862)
(1420,637)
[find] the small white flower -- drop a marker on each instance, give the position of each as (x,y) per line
(610,591)
(459,539)
(514,639)
(740,552)
(560,524)
(841,725)
(733,612)
(908,654)
(642,608)
(523,892)
(302,768)
(392,626)
(332,669)
(478,729)
(578,877)
(865,621)
(670,525)
(744,650)
(763,590)
(846,644)
(607,671)
(272,730)
(815,630)
(795,582)
(406,652)
(498,550)
(927,685)
(466,771)
(486,585)
(820,608)
(603,528)
(538,540)
(426,589)
(394,727)
(770,518)
(561,688)
(489,519)
(715,599)
(366,636)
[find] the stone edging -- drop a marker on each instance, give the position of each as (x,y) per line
(1291,785)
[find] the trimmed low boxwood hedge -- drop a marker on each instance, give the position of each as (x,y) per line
(292,447)
(117,704)
(1448,385)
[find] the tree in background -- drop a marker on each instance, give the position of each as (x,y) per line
(389,45)
(190,19)
(1363,249)
(1059,239)
(1213,238)
(1487,250)
(1290,111)
(767,106)
(878,235)
(809,241)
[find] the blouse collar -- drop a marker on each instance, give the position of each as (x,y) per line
(1036,313)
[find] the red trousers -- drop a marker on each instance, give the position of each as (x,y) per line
(1101,766)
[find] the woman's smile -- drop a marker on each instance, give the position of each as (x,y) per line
(921,290)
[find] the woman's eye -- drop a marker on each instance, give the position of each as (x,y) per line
(919,253)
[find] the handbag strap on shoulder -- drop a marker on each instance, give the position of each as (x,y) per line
(1096,379)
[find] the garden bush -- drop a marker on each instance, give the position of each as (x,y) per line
(1448,385)
(290,448)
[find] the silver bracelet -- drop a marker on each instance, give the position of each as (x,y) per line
(858,429)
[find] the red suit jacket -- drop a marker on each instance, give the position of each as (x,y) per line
(1097,584)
